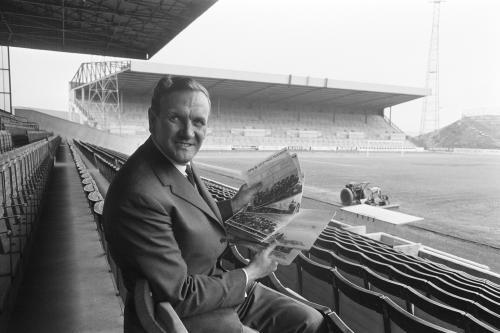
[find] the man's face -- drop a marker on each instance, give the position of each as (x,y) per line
(180,125)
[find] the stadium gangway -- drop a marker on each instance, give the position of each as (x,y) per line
(24,173)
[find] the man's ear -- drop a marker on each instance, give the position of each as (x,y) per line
(151,120)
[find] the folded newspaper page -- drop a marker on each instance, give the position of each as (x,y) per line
(274,215)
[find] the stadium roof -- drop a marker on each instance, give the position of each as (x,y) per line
(140,78)
(121,28)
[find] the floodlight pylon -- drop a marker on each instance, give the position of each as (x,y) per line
(430,110)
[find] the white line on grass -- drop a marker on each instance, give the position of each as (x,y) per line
(230,172)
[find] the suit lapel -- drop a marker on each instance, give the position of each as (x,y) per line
(179,185)
(205,193)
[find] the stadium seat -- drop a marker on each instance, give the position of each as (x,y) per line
(160,318)
(23,175)
(378,263)
(401,320)
(481,286)
(403,295)
(364,310)
(417,268)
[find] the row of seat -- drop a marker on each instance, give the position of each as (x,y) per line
(16,122)
(24,174)
(96,203)
(428,286)
(92,151)
(38,135)
(5,141)
(369,277)
(481,286)
(366,310)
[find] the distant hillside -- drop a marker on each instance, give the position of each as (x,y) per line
(469,132)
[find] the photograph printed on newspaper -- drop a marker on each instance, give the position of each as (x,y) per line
(274,215)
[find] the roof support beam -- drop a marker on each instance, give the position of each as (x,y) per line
(100,10)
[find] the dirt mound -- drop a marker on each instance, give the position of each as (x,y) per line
(469,132)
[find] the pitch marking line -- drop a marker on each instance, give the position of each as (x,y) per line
(229,172)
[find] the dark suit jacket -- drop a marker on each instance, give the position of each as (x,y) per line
(160,227)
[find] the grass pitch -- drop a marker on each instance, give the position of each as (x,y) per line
(458,195)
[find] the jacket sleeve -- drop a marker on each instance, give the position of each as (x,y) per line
(142,238)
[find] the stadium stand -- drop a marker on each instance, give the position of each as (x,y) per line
(285,127)
(17,131)
(250,110)
(5,141)
(24,174)
(375,288)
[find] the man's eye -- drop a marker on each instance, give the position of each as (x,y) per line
(199,123)
(174,118)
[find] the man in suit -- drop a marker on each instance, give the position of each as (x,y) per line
(162,224)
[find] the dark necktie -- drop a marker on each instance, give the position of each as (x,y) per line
(190,176)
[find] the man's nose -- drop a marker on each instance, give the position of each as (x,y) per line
(188,129)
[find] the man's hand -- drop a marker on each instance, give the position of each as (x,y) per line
(244,196)
(261,265)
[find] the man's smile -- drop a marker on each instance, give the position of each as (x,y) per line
(184,144)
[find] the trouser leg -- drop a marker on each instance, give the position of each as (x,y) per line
(269,311)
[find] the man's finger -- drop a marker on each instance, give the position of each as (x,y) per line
(251,245)
(270,247)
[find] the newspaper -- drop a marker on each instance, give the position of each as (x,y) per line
(274,215)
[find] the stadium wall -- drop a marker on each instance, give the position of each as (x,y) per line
(68,129)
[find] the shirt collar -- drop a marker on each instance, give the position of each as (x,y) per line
(180,167)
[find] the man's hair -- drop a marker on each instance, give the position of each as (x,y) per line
(170,84)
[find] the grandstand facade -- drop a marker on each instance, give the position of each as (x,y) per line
(249,110)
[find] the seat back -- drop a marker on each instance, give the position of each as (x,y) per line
(145,308)
(402,321)
(362,310)
(165,314)
(337,325)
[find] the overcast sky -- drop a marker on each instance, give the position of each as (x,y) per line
(373,41)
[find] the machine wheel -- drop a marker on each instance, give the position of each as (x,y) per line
(346,196)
